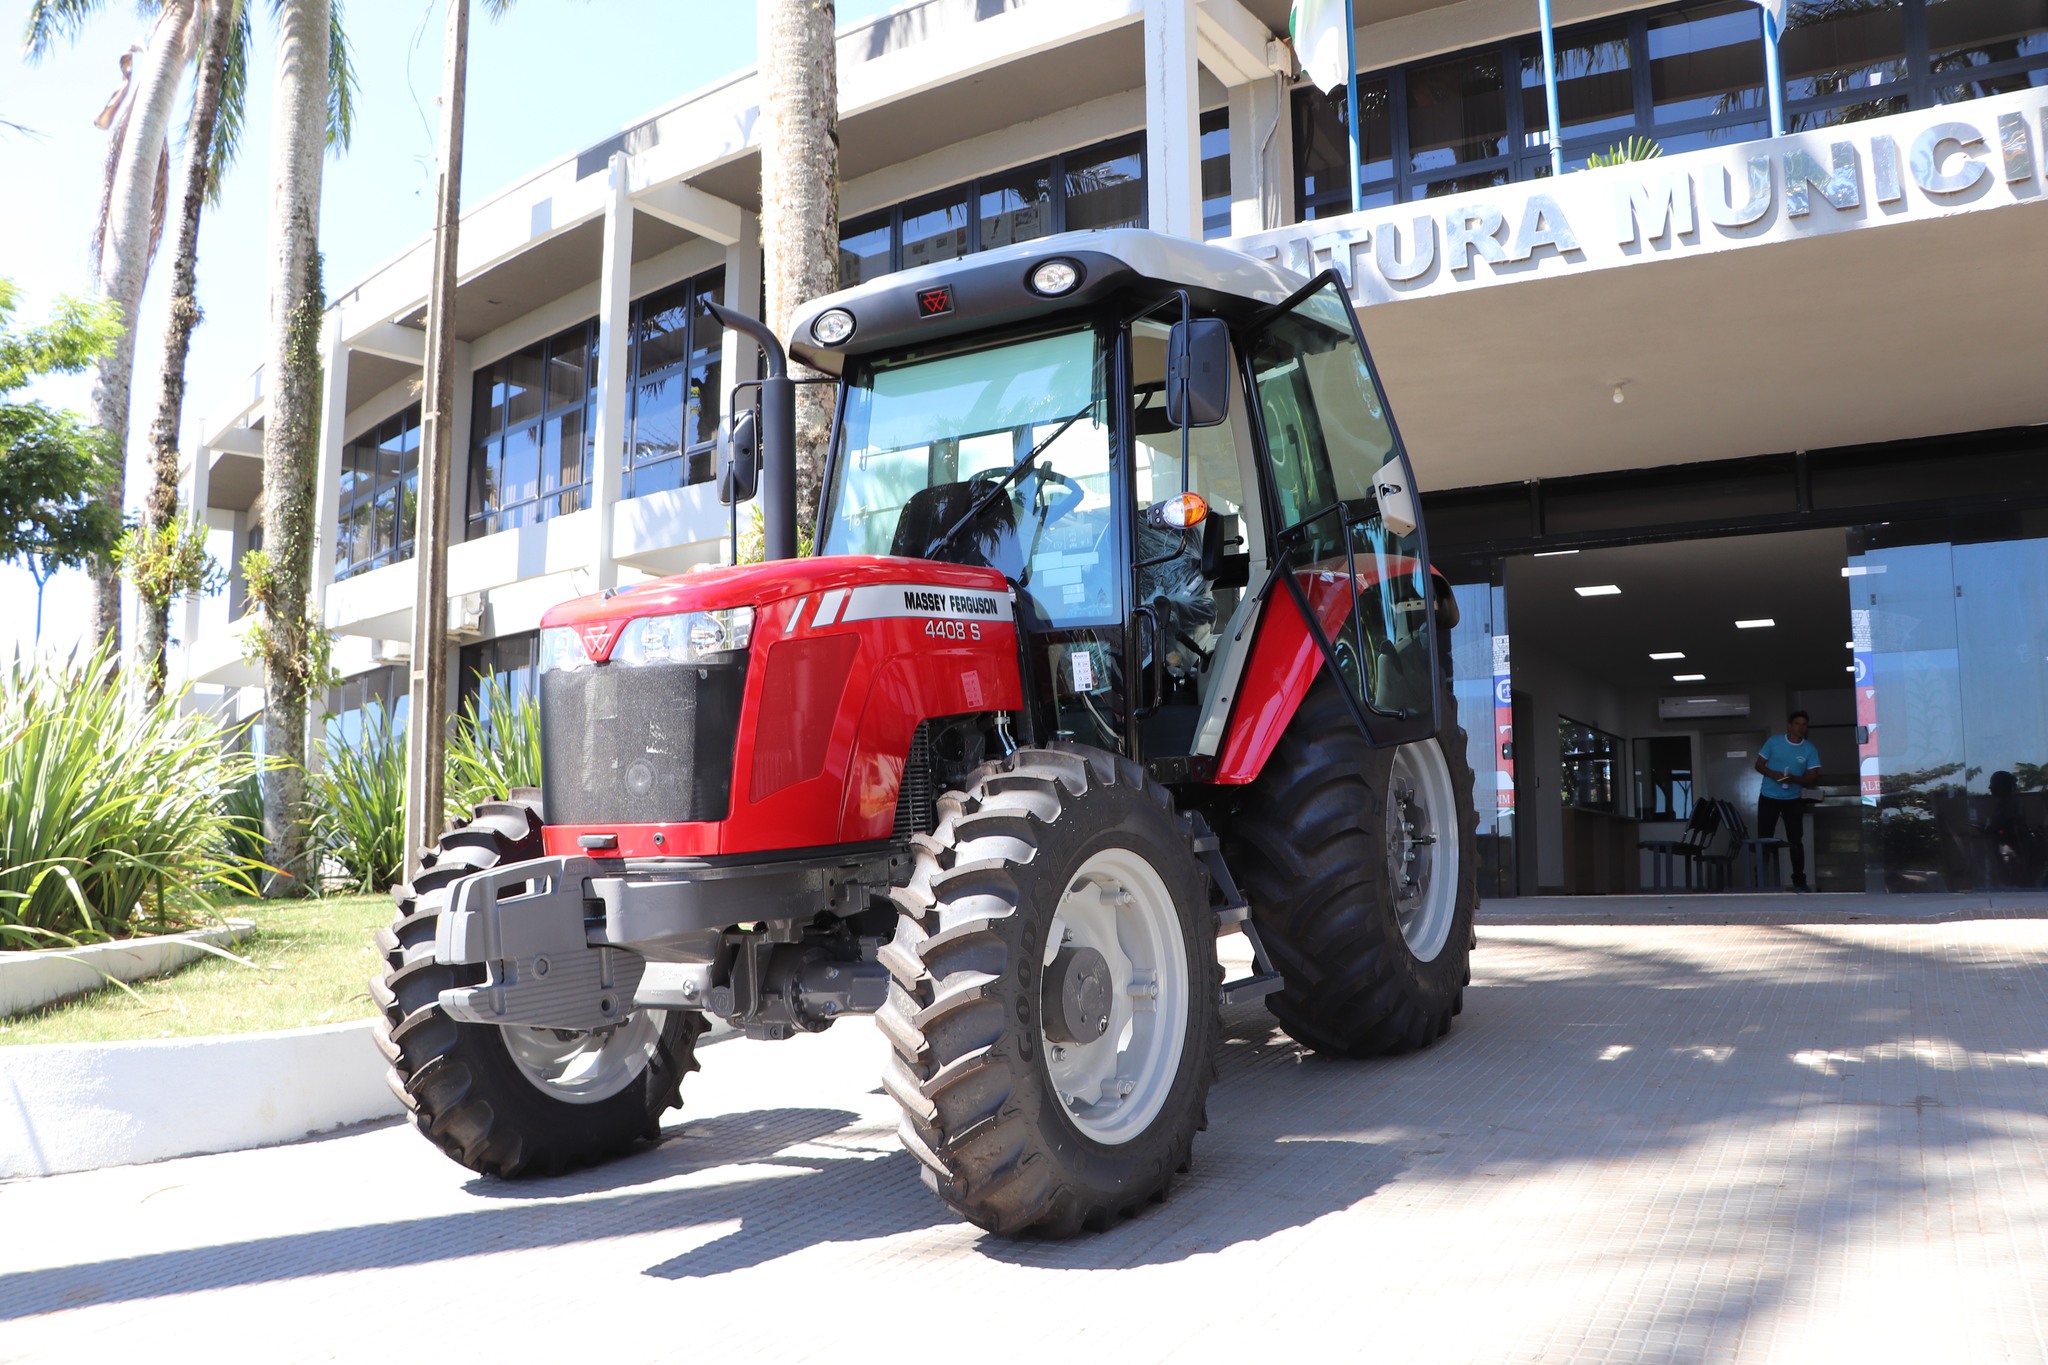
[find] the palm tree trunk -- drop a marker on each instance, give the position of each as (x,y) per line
(160,509)
(291,425)
(124,266)
(800,197)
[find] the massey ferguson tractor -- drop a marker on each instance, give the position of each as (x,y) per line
(1121,635)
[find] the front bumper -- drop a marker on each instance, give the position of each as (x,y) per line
(566,941)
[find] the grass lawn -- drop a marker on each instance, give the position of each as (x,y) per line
(313,959)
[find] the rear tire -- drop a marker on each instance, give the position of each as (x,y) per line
(1332,848)
(1033,1108)
(513,1101)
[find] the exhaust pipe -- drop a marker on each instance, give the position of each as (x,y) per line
(778,435)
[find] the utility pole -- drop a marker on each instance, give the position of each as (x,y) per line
(426,732)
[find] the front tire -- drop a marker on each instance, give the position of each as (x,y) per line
(508,1100)
(1361,868)
(1052,1008)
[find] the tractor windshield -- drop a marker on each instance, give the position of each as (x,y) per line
(999,455)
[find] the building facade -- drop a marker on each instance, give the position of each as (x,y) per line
(1721,370)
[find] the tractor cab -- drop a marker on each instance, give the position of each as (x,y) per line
(1148,439)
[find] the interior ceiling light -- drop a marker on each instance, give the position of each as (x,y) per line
(1620,397)
(1758,624)
(1599,590)
(1552,554)
(1688,677)
(1673,654)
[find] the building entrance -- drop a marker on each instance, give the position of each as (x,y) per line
(1617,699)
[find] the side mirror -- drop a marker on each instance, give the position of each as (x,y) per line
(739,464)
(1198,373)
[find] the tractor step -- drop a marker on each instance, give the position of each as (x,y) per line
(1255,987)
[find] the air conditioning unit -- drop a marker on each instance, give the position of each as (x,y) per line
(1721,706)
(466,616)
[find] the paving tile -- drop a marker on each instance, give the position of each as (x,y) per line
(1784,1141)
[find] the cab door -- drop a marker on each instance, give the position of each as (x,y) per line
(1346,519)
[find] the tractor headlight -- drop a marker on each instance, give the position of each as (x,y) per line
(561,650)
(687,637)
(832,327)
(1050,279)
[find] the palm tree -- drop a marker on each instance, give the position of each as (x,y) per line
(290,640)
(800,196)
(212,137)
(140,116)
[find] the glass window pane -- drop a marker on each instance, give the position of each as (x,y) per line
(489,417)
(1106,187)
(935,229)
(1840,47)
(562,457)
(863,249)
(1994,85)
(384,534)
(1460,184)
(1595,88)
(705,404)
(1707,62)
(1966,33)
(661,330)
(568,360)
(522,385)
(657,417)
(658,476)
(1016,206)
(1457,112)
(520,475)
(1216,173)
(1725,136)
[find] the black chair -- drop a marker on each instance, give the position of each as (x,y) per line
(1759,856)
(931,512)
(1668,855)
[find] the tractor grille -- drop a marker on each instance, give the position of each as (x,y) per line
(916,799)
(634,746)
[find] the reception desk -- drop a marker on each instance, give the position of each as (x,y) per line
(1600,856)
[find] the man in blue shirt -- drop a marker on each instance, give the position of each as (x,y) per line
(1789,764)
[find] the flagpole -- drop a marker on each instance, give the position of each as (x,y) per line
(1351,108)
(1774,78)
(1550,89)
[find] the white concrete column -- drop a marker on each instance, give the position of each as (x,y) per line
(614,366)
(1261,156)
(327,480)
(741,358)
(1173,120)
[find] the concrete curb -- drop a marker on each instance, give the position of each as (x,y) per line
(46,976)
(81,1106)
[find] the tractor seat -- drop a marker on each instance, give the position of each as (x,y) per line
(931,512)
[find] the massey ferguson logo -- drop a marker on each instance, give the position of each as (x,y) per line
(596,636)
(957,603)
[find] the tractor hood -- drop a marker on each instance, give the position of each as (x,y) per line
(834,583)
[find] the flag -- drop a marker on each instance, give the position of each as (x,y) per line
(1321,44)
(1774,18)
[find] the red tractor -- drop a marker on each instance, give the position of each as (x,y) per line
(1121,635)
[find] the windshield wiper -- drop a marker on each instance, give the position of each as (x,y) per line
(980,504)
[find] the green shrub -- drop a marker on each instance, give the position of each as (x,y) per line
(495,749)
(359,794)
(358,800)
(101,808)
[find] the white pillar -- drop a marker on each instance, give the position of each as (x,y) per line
(1261,156)
(1173,120)
(614,366)
(740,358)
(327,481)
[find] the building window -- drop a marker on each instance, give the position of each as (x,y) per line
(348,705)
(380,488)
(1215,174)
(513,661)
(1097,187)
(677,393)
(1685,76)
(530,441)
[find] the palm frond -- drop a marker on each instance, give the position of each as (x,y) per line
(341,83)
(230,118)
(50,20)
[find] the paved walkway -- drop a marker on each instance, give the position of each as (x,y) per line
(1795,1142)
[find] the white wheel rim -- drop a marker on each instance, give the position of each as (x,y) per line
(1422,847)
(1113,1088)
(586,1068)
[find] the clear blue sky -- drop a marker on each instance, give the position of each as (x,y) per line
(551,78)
